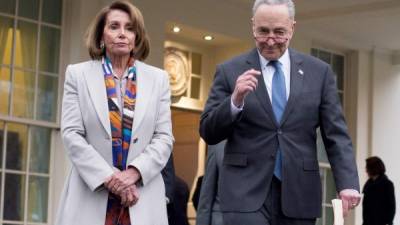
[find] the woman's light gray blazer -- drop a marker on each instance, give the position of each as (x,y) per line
(86,133)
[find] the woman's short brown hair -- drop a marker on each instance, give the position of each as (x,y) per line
(375,166)
(94,33)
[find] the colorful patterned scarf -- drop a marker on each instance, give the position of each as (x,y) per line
(121,131)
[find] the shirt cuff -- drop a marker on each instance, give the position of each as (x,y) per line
(235,110)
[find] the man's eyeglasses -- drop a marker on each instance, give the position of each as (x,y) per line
(278,38)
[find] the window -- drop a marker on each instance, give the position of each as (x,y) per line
(25,173)
(336,61)
(185,69)
(29,57)
(195,76)
(29,79)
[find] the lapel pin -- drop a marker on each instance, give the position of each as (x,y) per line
(301,72)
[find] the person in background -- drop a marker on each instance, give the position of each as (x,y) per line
(177,195)
(268,104)
(209,209)
(168,175)
(196,193)
(379,204)
(179,205)
(115,126)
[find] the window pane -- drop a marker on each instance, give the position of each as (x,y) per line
(16,151)
(322,176)
(23,94)
(29,9)
(5,85)
(328,215)
(37,200)
(7,6)
(47,98)
(325,56)
(25,48)
(14,197)
(40,149)
(339,82)
(196,63)
(195,88)
(1,146)
(341,97)
(314,52)
(6,39)
(51,11)
(338,68)
(49,49)
(322,157)
(330,187)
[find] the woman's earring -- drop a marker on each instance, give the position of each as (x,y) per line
(102,45)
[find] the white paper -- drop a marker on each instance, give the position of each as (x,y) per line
(337,212)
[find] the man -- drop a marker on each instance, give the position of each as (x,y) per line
(209,210)
(176,193)
(179,205)
(268,104)
(168,175)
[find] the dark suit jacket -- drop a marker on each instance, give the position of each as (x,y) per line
(168,175)
(254,135)
(178,214)
(209,209)
(196,193)
(177,191)
(379,204)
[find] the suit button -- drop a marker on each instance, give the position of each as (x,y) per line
(108,137)
(134,140)
(279,131)
(272,156)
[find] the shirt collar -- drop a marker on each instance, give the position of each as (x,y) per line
(284,59)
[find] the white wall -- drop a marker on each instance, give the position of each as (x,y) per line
(358,92)
(301,42)
(385,117)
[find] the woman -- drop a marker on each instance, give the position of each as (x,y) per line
(379,204)
(116,127)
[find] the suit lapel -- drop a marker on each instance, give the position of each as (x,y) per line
(296,83)
(94,77)
(261,91)
(145,85)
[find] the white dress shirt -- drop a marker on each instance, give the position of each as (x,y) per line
(268,73)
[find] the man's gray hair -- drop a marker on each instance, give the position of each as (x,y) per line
(288,3)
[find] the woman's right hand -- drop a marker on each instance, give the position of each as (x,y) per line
(129,196)
(122,180)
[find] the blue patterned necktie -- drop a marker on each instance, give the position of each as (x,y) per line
(278,105)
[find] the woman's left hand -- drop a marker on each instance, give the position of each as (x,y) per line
(122,180)
(129,196)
